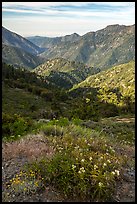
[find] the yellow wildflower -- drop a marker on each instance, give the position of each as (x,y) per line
(36,183)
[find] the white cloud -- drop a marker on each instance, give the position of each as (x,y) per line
(54,22)
(87,13)
(21,11)
(39,4)
(46,8)
(43,4)
(115,3)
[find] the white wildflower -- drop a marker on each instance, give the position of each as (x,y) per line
(90,158)
(73,166)
(117,172)
(100,184)
(95,166)
(82,169)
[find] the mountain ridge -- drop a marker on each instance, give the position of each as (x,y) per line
(12,39)
(47,42)
(112,45)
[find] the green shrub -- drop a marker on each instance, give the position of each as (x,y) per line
(78,131)
(76,121)
(63,122)
(14,126)
(83,168)
(53,130)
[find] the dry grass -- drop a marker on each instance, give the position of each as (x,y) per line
(125,120)
(31,146)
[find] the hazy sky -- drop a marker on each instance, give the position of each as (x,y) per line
(62,18)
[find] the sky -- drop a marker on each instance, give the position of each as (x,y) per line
(54,19)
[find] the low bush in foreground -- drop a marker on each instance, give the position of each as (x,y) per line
(84,167)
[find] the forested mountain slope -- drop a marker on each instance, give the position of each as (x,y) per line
(112,45)
(19,57)
(64,73)
(109,92)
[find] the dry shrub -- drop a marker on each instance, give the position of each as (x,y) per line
(31,146)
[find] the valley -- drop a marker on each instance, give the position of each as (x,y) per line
(68,117)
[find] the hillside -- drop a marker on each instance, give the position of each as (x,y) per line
(29,82)
(112,45)
(58,64)
(20,58)
(121,77)
(108,93)
(19,51)
(15,40)
(64,73)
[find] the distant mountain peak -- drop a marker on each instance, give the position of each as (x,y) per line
(115,26)
(76,34)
